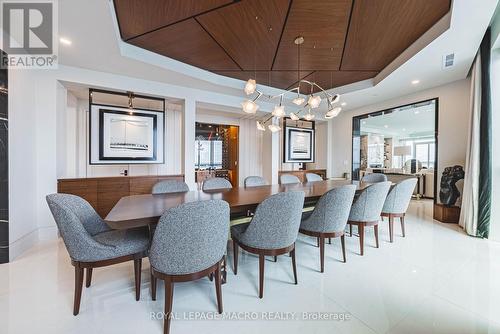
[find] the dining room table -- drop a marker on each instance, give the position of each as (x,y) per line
(145,210)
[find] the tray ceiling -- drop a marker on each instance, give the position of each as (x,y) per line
(345,40)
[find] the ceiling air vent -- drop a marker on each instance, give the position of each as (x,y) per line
(448,60)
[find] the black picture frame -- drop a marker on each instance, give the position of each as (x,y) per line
(101,136)
(94,158)
(287,144)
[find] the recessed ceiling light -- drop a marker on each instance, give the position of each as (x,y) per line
(415,82)
(343,104)
(65,41)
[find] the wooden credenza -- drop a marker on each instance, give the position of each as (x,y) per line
(301,174)
(104,192)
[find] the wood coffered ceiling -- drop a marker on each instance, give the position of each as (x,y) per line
(345,40)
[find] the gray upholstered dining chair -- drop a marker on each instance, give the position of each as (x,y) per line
(366,210)
(216,183)
(189,243)
(397,203)
(374,178)
(329,218)
(312,177)
(170,186)
(288,179)
(272,231)
(255,181)
(91,243)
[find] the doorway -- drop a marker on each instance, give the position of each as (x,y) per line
(216,152)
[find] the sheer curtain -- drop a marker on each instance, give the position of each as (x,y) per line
(469,212)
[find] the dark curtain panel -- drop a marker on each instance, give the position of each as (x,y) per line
(4,165)
(484,201)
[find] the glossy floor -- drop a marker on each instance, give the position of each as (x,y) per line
(436,280)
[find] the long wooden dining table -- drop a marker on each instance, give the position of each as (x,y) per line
(142,210)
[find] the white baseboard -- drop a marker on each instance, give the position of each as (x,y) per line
(21,245)
(47,233)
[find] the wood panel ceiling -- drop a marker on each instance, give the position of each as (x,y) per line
(345,40)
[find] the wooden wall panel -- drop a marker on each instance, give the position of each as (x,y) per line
(323,24)
(374,41)
(279,79)
(104,192)
(188,42)
(138,17)
(249,30)
(235,38)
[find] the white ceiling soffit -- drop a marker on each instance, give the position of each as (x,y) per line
(98,46)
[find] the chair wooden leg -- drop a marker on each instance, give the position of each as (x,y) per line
(137,272)
(261,275)
(402,218)
(88,277)
(342,240)
(375,229)
(275,258)
(169,293)
(317,242)
(391,228)
(322,253)
(350,230)
(330,241)
(294,265)
(361,231)
(153,287)
(218,288)
(210,277)
(235,257)
(78,290)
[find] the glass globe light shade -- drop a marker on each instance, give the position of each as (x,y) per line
(249,107)
(250,86)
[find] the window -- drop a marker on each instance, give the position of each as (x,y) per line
(424,152)
(208,153)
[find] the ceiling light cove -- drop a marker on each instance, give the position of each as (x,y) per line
(65,41)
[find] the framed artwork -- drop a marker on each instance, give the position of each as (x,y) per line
(126,136)
(299,144)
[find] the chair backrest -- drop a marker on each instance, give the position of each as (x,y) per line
(255,181)
(332,210)
(190,237)
(399,197)
(374,178)
(311,177)
(288,178)
(77,222)
(276,221)
(170,186)
(368,206)
(215,183)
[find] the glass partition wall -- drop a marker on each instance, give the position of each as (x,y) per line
(400,142)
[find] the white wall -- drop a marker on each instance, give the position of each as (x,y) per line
(453,126)
(72,143)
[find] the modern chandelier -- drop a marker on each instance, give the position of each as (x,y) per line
(313,100)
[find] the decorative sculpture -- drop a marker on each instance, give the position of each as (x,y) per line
(449,192)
